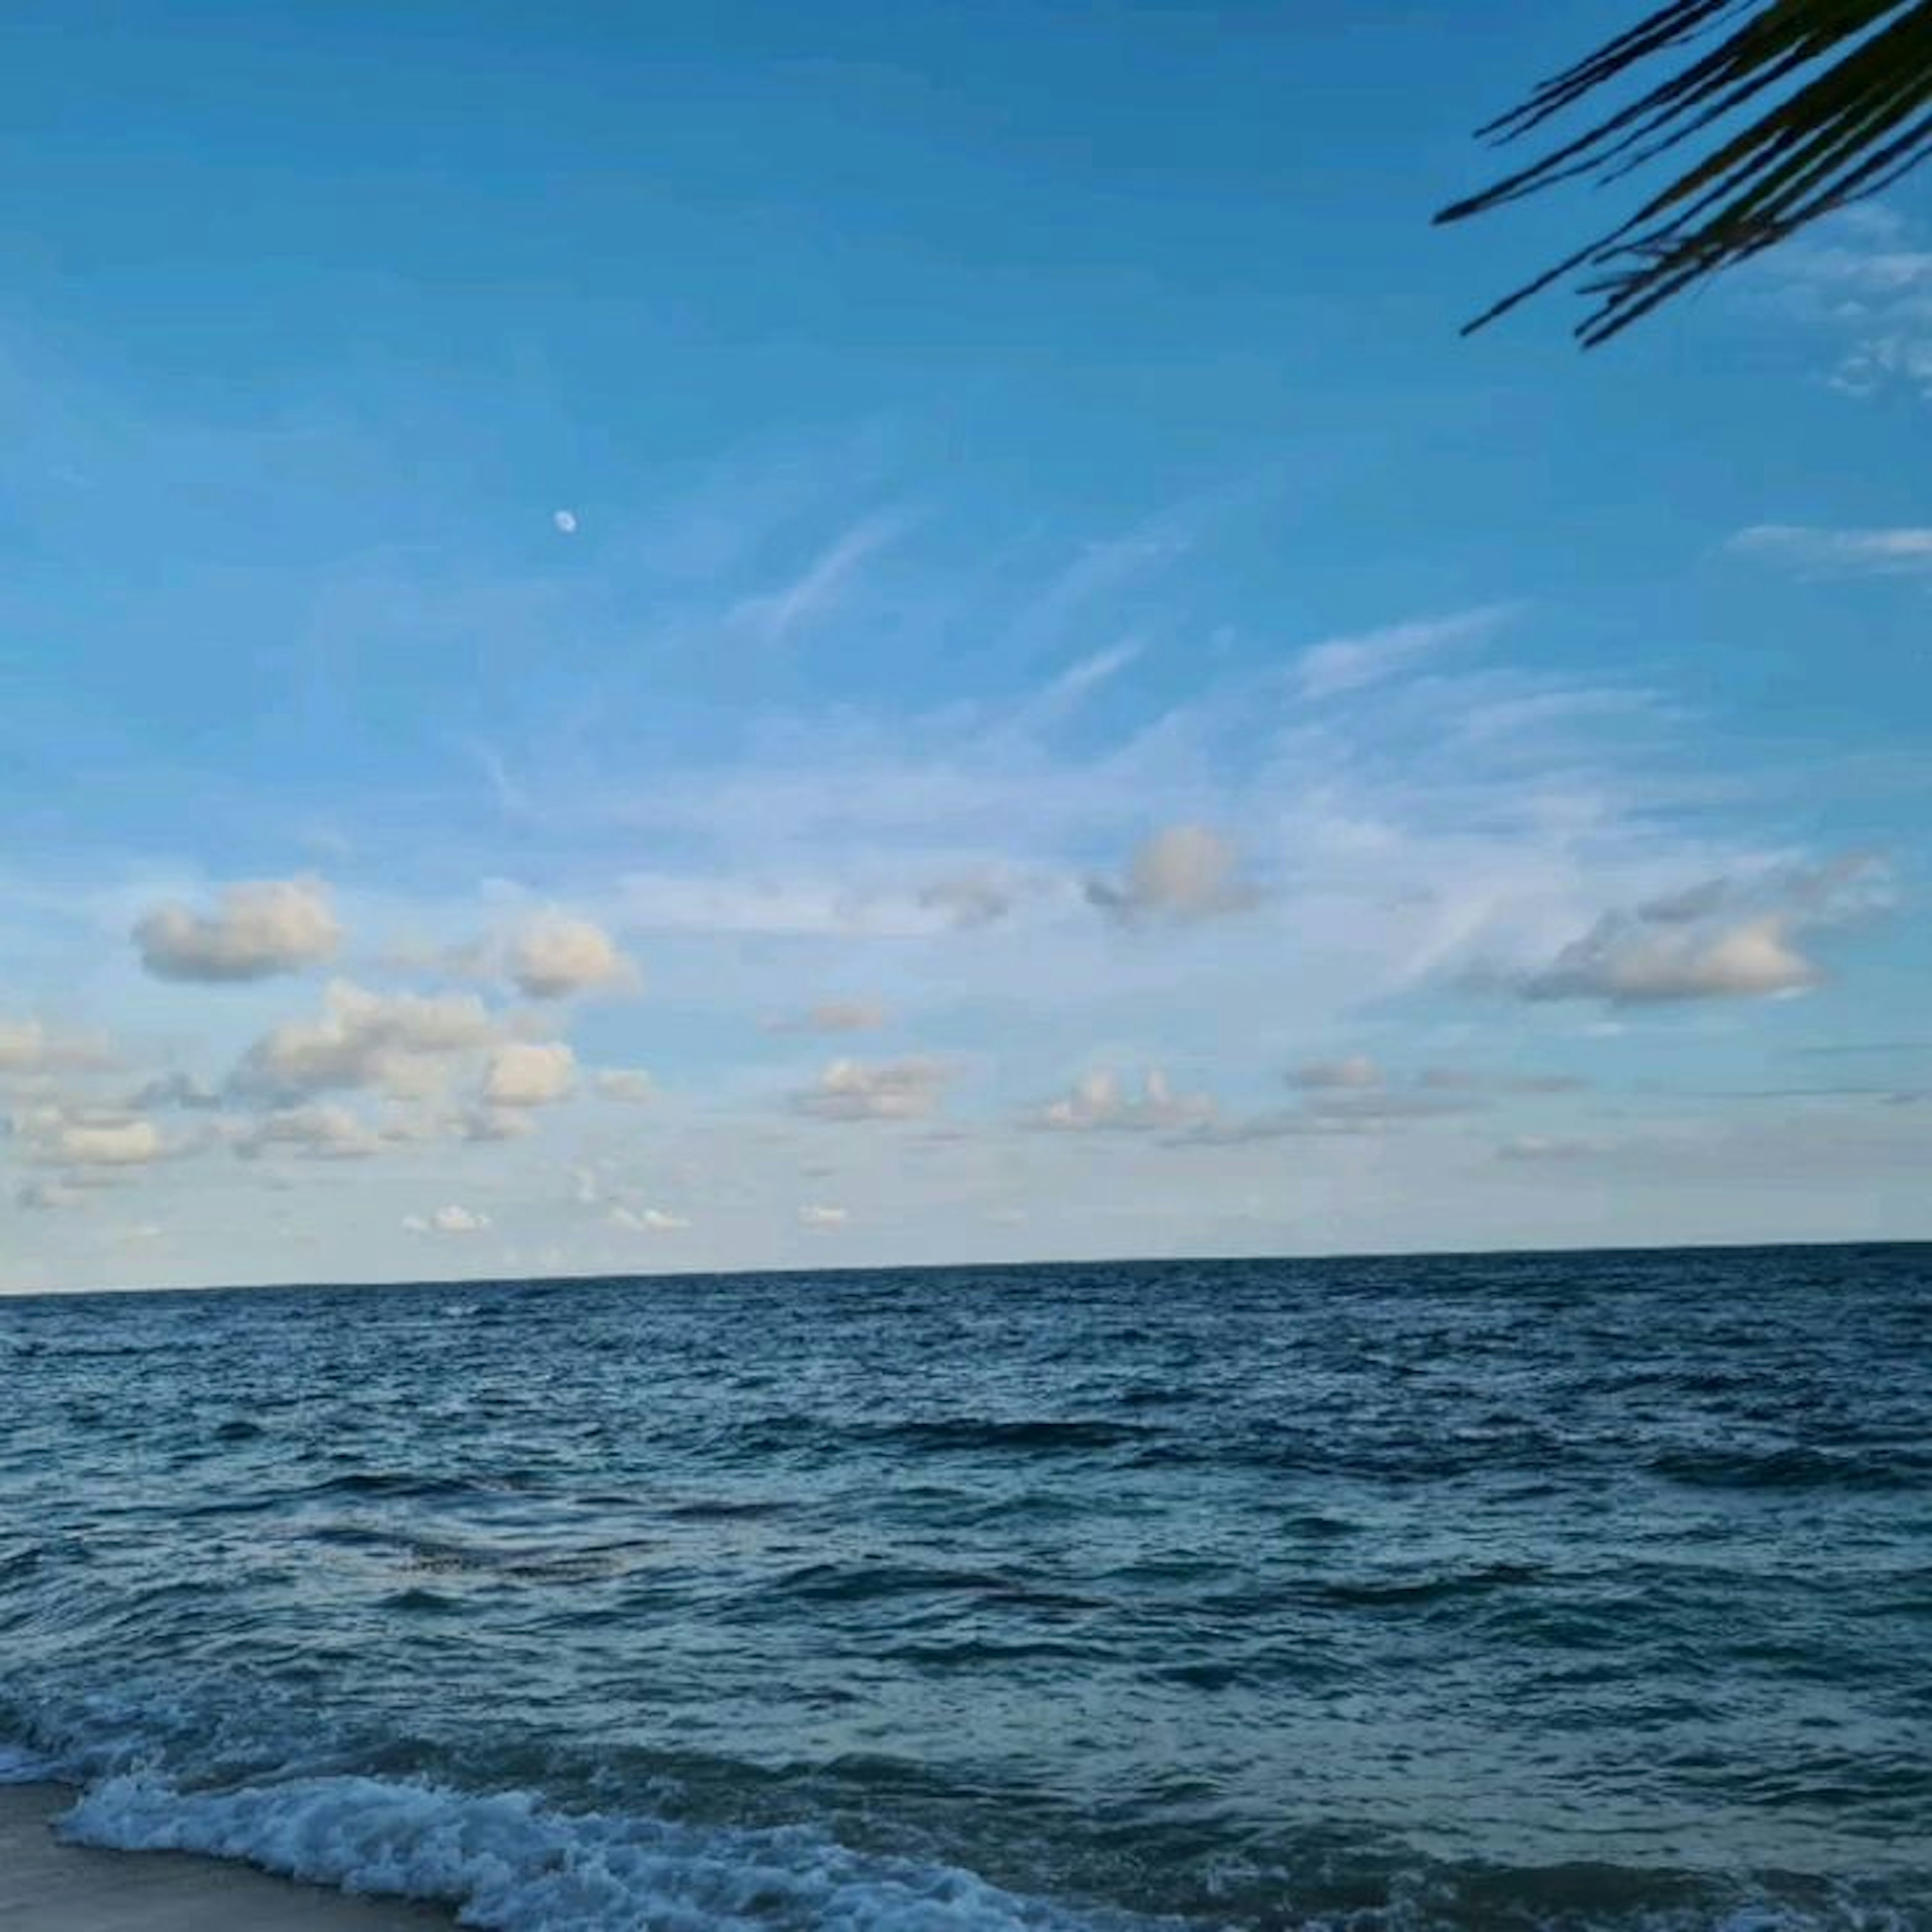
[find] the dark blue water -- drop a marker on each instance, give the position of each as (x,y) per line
(1565,1592)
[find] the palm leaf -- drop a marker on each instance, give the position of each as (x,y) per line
(1841,94)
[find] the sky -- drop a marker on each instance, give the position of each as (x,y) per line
(643,639)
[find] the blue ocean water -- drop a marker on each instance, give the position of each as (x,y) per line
(1552,1592)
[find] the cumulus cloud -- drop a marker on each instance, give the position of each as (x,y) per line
(1723,938)
(403,1044)
(647,1220)
(831,1016)
(631,1085)
(555,956)
(819,1216)
(528,1073)
(317,1132)
(1626,962)
(257,928)
(1100,1103)
(450,1220)
(56,1139)
(1185,872)
(855,1090)
(29,1047)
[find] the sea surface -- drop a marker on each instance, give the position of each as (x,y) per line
(1565,1592)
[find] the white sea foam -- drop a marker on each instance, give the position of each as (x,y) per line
(509,1863)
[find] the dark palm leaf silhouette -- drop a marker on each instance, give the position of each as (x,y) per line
(1850,88)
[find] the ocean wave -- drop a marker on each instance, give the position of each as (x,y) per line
(20,1766)
(508,1862)
(1041,1433)
(1783,1468)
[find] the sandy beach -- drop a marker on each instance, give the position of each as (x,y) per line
(47,1886)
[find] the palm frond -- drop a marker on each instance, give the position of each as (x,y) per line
(1857,115)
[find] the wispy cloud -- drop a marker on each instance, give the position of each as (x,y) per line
(1864,280)
(1341,664)
(1903,550)
(1357,1074)
(775,615)
(831,1016)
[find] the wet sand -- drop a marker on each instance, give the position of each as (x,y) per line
(47,1886)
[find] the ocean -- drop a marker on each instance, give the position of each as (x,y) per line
(1583,1590)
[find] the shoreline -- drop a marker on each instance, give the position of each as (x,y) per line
(48,1885)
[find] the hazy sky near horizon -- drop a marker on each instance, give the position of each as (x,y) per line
(761,636)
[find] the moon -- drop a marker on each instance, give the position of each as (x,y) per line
(565,521)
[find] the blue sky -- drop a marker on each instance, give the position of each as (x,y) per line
(760,636)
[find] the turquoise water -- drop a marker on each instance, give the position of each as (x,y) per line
(1565,1592)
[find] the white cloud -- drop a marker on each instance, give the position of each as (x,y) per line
(1100,1103)
(855,1090)
(1865,281)
(1184,872)
(1404,828)
(776,615)
(555,956)
(647,1220)
(1347,664)
(57,1139)
(450,1220)
(317,1132)
(29,1047)
(823,1217)
(1902,550)
(403,1044)
(1355,1074)
(831,1016)
(528,1073)
(1072,687)
(258,929)
(632,1085)
(1626,962)
(1723,938)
